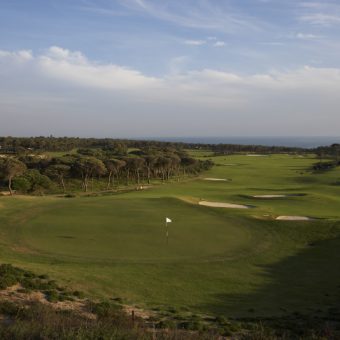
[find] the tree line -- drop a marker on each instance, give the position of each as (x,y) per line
(113,165)
(16,145)
(331,154)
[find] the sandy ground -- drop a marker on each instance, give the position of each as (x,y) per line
(12,294)
(294,218)
(141,313)
(216,179)
(6,193)
(223,205)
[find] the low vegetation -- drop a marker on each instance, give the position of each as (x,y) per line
(28,318)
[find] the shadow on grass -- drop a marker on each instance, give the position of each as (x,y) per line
(307,283)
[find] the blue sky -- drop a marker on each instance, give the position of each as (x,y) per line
(130,68)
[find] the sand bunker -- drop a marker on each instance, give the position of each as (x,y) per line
(223,205)
(256,155)
(278,195)
(294,218)
(269,196)
(216,179)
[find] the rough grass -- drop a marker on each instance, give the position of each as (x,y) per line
(217,261)
(25,316)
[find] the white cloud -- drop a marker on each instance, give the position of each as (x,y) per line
(307,36)
(207,14)
(320,13)
(59,63)
(321,19)
(219,44)
(195,42)
(20,56)
(72,67)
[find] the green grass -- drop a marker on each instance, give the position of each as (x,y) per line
(218,261)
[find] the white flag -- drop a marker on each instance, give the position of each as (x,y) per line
(167,220)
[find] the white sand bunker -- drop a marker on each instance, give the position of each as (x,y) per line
(216,179)
(223,205)
(256,155)
(294,218)
(269,196)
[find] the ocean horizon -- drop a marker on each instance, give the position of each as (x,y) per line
(301,142)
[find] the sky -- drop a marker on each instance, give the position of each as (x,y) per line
(158,68)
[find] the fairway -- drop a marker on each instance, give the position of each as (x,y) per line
(234,262)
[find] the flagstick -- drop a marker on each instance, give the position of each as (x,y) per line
(167,232)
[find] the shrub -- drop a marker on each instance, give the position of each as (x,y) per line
(21,184)
(8,308)
(78,294)
(105,309)
(52,295)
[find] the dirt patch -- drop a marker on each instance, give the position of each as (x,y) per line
(15,294)
(23,250)
(143,187)
(224,205)
(6,193)
(138,312)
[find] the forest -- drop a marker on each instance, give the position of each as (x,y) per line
(106,165)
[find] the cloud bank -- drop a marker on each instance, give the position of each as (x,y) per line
(63,92)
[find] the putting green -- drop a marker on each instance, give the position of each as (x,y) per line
(134,230)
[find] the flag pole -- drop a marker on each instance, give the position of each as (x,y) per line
(167,220)
(167,231)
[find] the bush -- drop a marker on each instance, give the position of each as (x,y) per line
(32,181)
(79,295)
(21,184)
(9,275)
(70,195)
(8,308)
(167,324)
(105,309)
(191,325)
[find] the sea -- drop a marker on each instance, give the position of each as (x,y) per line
(301,142)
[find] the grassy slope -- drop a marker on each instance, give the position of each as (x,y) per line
(218,261)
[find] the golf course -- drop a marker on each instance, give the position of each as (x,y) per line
(272,249)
